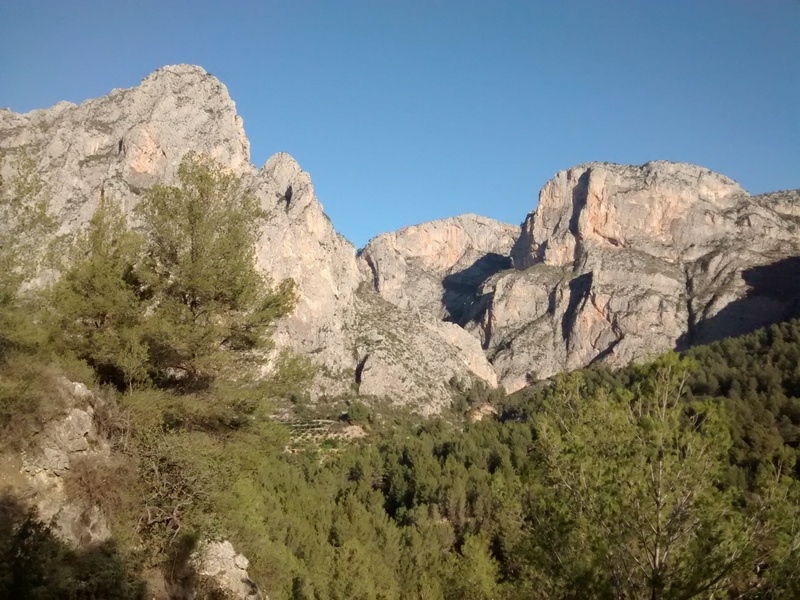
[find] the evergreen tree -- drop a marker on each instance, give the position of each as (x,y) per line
(210,302)
(25,224)
(100,310)
(633,502)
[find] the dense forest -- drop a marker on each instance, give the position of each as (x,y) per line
(677,478)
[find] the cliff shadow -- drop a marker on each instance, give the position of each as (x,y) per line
(579,289)
(462,298)
(773,296)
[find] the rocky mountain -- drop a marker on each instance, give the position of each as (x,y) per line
(622,262)
(131,139)
(616,263)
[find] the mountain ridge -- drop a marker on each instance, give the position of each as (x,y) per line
(617,262)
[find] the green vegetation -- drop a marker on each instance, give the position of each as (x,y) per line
(25,225)
(674,479)
(178,302)
(211,304)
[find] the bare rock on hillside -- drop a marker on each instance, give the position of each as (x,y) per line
(124,142)
(436,266)
(127,140)
(621,262)
(666,210)
(299,242)
(216,570)
(407,358)
(63,441)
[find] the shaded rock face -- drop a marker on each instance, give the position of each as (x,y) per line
(621,262)
(435,271)
(396,351)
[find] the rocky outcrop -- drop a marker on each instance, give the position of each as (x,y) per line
(128,140)
(436,267)
(63,442)
(299,242)
(122,143)
(621,262)
(215,570)
(405,353)
(616,263)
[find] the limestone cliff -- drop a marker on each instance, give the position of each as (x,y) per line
(133,138)
(622,262)
(616,263)
(435,267)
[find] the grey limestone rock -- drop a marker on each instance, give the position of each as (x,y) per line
(63,440)
(619,263)
(403,354)
(435,267)
(217,563)
(125,141)
(616,263)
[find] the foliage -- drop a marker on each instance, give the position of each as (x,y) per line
(676,478)
(179,303)
(100,309)
(210,302)
(642,474)
(25,225)
(34,563)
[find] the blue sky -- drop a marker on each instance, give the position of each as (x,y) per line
(407,111)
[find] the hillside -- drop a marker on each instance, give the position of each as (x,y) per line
(206,392)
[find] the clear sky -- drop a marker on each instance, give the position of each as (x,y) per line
(407,111)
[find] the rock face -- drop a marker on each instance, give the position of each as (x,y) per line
(216,570)
(622,262)
(128,140)
(434,271)
(63,441)
(300,242)
(436,267)
(124,142)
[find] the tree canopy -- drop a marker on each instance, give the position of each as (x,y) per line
(179,300)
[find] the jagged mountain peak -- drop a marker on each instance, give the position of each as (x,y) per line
(179,70)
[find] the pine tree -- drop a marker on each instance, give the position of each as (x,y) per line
(633,501)
(25,226)
(99,303)
(210,302)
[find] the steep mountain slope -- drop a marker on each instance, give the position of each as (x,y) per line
(122,143)
(622,262)
(436,267)
(616,263)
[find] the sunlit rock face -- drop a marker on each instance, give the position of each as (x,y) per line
(617,262)
(130,139)
(667,210)
(428,266)
(621,262)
